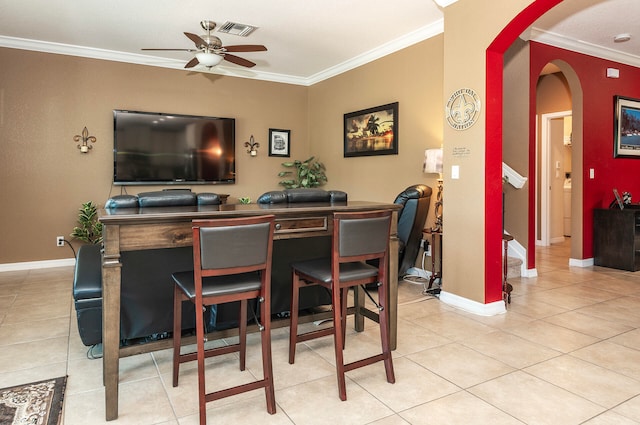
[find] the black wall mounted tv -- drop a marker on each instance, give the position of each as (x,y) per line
(152,148)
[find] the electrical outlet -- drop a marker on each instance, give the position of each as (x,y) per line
(59,240)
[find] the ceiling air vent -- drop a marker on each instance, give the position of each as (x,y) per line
(237,29)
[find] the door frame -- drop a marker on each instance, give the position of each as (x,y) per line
(544,165)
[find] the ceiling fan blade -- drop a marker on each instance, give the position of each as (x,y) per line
(246,48)
(172,50)
(193,62)
(196,39)
(238,60)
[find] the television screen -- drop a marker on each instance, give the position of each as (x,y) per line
(157,148)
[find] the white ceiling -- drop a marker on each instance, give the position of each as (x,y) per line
(307,40)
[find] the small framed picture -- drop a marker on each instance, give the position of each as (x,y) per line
(372,131)
(279,142)
(627,128)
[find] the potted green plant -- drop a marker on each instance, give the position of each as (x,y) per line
(89,229)
(308,173)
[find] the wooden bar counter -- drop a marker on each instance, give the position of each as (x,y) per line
(170,227)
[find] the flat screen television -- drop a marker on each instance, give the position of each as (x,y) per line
(163,149)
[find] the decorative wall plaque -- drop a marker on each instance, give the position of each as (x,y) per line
(462,109)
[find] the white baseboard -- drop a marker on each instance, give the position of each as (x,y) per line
(474,307)
(574,262)
(31,265)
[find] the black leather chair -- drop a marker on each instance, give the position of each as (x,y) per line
(87,294)
(415,201)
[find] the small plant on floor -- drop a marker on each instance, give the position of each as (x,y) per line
(89,229)
(308,173)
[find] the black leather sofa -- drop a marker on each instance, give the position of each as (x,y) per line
(147,288)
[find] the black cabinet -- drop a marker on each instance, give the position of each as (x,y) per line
(616,238)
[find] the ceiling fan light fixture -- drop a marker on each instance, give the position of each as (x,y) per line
(208,59)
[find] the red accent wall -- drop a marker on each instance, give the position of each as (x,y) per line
(493,143)
(598,129)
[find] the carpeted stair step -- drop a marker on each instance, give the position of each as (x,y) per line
(513,267)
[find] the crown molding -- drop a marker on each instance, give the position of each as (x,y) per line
(407,40)
(444,3)
(138,59)
(557,40)
(392,46)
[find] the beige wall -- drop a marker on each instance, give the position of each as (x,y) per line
(470,27)
(47,99)
(515,131)
(411,77)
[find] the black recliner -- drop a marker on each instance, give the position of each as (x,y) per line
(415,201)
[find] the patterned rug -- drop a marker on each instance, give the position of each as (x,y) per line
(38,403)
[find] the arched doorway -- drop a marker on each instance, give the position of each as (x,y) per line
(576,107)
(493,139)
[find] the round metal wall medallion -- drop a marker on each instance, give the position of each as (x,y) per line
(462,109)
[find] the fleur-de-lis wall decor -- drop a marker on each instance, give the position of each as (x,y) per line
(85,139)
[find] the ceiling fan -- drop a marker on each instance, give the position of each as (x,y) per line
(209,50)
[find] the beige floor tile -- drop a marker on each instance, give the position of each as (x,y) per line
(220,372)
(534,401)
(536,309)
(622,284)
(460,365)
(610,312)
(590,290)
(36,373)
(630,409)
(583,323)
(137,367)
(308,365)
(505,321)
(555,337)
(452,325)
(440,349)
(248,411)
(612,356)
(458,408)
(610,418)
(390,420)
(510,349)
(140,403)
(414,384)
(317,402)
(413,337)
(426,306)
(629,339)
(48,311)
(33,354)
(84,375)
(599,385)
(559,298)
(37,330)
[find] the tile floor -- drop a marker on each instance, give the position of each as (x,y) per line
(566,352)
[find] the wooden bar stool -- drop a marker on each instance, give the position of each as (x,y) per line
(357,238)
(232,262)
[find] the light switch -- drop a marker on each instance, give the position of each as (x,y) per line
(455,171)
(592,173)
